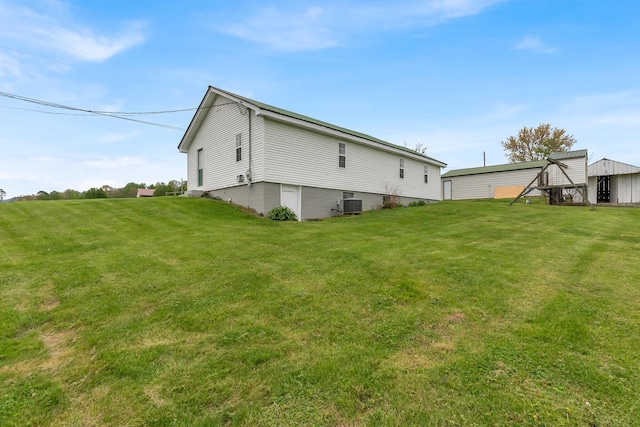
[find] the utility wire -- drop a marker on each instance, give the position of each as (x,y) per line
(116,115)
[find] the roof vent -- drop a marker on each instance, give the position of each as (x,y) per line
(351,206)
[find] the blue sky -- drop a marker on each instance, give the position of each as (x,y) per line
(458,76)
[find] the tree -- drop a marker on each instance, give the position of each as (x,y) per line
(537,144)
(420,148)
(94,193)
(70,194)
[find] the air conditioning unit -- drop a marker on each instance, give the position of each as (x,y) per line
(351,206)
(240,178)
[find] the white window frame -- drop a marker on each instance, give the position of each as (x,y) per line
(238,147)
(342,155)
(200,160)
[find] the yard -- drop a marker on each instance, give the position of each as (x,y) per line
(177,311)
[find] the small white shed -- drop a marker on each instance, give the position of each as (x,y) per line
(614,182)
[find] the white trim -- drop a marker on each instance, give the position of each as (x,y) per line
(297,209)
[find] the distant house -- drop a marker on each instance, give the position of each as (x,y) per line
(508,180)
(262,156)
(145,192)
(614,182)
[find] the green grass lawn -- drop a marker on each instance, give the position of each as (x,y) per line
(177,311)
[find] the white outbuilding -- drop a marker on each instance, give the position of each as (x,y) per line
(614,182)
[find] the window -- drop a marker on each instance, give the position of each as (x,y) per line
(347,195)
(426,174)
(401,168)
(342,154)
(238,147)
(200,167)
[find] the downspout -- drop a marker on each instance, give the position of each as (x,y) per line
(249,172)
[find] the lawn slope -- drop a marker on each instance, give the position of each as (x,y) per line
(177,311)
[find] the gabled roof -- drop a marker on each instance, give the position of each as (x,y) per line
(280,114)
(611,167)
(145,192)
(515,166)
(569,154)
(495,168)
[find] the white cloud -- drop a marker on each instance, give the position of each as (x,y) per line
(534,44)
(118,137)
(86,46)
(10,66)
(51,29)
(305,30)
(315,28)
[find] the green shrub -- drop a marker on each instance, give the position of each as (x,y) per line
(417,203)
(282,213)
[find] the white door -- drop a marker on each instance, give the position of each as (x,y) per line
(290,197)
(447,190)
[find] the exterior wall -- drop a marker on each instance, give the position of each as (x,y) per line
(482,186)
(577,171)
(261,196)
(298,156)
(628,188)
(217,138)
(323,202)
(624,188)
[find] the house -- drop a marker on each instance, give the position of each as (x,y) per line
(508,180)
(261,156)
(145,192)
(614,182)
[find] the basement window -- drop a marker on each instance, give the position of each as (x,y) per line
(200,167)
(347,195)
(401,168)
(238,147)
(342,154)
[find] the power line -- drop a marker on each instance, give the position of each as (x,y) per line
(117,115)
(45,112)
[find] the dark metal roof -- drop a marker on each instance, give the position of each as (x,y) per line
(495,168)
(515,166)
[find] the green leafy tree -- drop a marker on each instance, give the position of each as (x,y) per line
(537,143)
(94,193)
(70,194)
(129,190)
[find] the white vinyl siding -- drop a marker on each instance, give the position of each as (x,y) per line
(304,157)
(577,171)
(217,135)
(482,186)
(625,181)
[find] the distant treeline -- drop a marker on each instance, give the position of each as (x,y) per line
(106,191)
